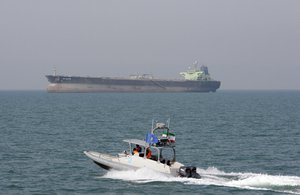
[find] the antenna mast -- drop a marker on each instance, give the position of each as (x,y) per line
(54,70)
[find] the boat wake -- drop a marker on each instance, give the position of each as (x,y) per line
(213,176)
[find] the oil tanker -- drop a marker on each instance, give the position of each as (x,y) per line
(194,80)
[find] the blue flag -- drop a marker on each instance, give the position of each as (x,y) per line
(151,138)
(148,137)
(154,139)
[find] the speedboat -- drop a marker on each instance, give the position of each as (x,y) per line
(156,152)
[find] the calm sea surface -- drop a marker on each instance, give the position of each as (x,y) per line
(243,142)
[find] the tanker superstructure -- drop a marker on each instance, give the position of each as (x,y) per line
(195,80)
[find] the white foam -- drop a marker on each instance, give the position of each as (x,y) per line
(213,176)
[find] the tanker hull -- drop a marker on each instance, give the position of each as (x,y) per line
(66,84)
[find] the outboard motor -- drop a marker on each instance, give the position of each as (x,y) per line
(188,171)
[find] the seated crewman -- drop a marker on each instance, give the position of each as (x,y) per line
(138,148)
(135,152)
(148,153)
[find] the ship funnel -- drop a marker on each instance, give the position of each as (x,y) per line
(204,69)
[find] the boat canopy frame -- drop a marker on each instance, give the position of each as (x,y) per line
(158,149)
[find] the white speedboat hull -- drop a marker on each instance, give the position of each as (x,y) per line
(131,162)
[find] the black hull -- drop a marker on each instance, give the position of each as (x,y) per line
(101,84)
(102,165)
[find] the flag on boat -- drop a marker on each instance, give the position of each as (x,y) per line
(151,138)
(169,136)
(172,137)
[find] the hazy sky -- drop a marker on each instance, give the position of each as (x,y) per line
(247,44)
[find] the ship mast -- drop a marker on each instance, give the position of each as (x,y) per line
(54,70)
(195,65)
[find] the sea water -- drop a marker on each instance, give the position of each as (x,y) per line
(242,142)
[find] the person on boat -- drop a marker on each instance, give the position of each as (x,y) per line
(138,148)
(148,153)
(135,152)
